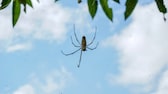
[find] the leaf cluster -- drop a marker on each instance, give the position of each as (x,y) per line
(129,5)
(16,7)
(92,7)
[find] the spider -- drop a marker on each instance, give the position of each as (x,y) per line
(83,46)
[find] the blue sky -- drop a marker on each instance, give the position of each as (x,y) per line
(131,57)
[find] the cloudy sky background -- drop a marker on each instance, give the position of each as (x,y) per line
(131,57)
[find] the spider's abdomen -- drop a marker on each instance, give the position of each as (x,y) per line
(83,44)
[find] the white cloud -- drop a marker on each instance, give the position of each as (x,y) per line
(142,48)
(56,81)
(46,21)
(26,89)
(19,47)
(163,84)
(50,83)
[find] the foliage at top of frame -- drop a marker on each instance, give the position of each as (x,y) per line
(161,7)
(92,7)
(16,7)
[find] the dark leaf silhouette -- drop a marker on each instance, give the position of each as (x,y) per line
(4,4)
(92,6)
(117,1)
(161,7)
(15,11)
(108,11)
(130,5)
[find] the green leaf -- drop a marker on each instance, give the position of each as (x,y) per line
(130,5)
(79,1)
(92,6)
(117,1)
(29,3)
(15,12)
(24,4)
(108,11)
(161,6)
(4,4)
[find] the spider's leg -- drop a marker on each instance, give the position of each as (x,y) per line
(80,59)
(75,35)
(70,53)
(74,43)
(94,47)
(93,37)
